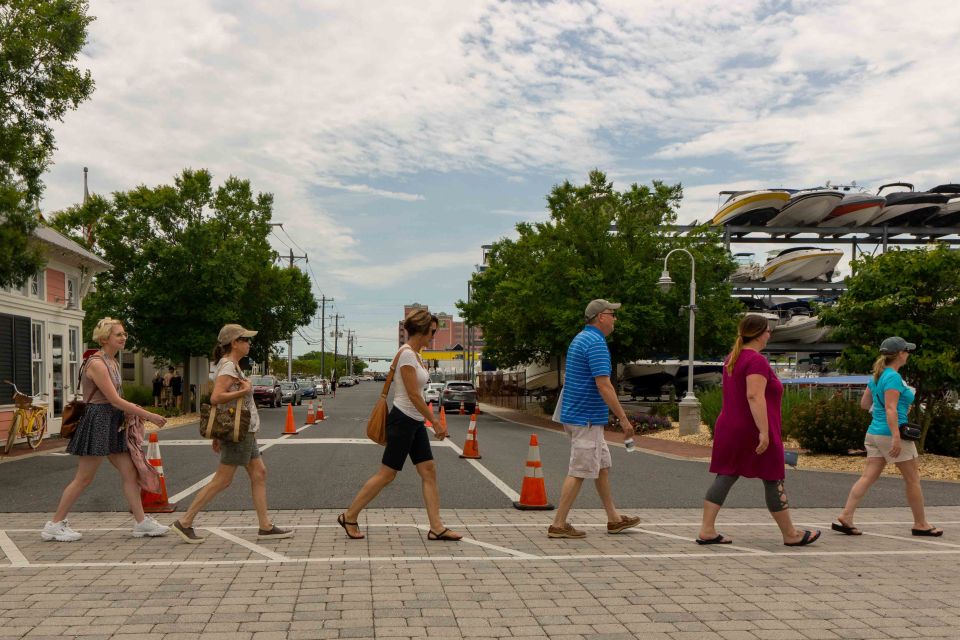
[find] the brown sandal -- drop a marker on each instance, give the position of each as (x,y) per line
(342,521)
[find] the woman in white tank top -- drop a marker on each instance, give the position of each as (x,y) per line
(406,433)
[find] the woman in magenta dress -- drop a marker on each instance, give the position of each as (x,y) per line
(746,439)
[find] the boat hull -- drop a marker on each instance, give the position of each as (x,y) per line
(804,209)
(854,212)
(801,267)
(754,208)
(648,379)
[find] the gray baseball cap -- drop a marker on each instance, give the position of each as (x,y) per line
(598,306)
(896,344)
(231,332)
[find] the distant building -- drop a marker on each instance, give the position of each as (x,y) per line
(451,333)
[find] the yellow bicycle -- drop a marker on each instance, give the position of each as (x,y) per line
(29,420)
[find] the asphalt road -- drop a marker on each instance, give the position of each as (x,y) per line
(304,473)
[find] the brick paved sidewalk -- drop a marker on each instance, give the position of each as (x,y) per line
(655,445)
(507,580)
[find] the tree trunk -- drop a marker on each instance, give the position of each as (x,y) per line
(188,404)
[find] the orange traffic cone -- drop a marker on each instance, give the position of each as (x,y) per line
(443,418)
(290,428)
(320,416)
(476,409)
(533,492)
(428,424)
(310,416)
(470,448)
(461,407)
(156,502)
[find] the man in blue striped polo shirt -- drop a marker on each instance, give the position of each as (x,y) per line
(587,396)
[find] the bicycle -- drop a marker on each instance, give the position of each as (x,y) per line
(29,420)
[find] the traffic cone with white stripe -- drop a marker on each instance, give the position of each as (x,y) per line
(311,418)
(428,424)
(461,407)
(156,502)
(320,416)
(470,448)
(443,418)
(533,492)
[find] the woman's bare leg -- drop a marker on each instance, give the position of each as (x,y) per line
(86,471)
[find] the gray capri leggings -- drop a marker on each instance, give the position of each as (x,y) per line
(773,492)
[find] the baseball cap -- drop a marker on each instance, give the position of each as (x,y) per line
(896,344)
(231,332)
(598,306)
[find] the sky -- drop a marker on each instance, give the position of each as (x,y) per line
(400,137)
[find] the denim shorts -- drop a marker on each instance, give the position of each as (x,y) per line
(239,454)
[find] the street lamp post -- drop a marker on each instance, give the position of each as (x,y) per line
(689,405)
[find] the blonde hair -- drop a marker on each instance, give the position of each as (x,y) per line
(751,327)
(881,363)
(104,328)
(418,322)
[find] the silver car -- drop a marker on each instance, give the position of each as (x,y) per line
(431,392)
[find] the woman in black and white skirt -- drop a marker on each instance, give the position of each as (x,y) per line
(100,434)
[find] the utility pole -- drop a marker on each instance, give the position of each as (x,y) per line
(290,341)
(350,336)
(336,339)
(323,330)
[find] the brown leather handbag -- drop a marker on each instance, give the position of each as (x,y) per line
(377,422)
(73,412)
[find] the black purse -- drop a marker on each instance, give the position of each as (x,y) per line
(910,431)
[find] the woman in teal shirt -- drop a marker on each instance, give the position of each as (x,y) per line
(888,398)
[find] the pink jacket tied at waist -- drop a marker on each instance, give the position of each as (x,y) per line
(147,476)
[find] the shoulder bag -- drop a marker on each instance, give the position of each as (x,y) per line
(228,422)
(377,422)
(73,412)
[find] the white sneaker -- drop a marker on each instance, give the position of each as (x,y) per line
(149,527)
(59,531)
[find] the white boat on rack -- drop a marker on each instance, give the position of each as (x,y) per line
(949,214)
(544,377)
(855,210)
(800,264)
(647,377)
(747,268)
(799,328)
(806,208)
(750,208)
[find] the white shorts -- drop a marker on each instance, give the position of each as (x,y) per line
(588,451)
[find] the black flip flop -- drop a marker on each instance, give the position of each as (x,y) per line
(443,535)
(932,532)
(845,530)
(809,537)
(718,540)
(342,521)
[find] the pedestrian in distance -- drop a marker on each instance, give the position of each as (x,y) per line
(176,387)
(157,388)
(888,399)
(230,384)
(746,439)
(333,385)
(100,434)
(588,397)
(406,433)
(167,395)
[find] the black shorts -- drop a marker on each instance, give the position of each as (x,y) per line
(405,436)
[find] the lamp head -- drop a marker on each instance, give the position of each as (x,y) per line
(665,282)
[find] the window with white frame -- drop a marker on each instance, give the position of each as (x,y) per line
(72,293)
(35,285)
(36,356)
(73,353)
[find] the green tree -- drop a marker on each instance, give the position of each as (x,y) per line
(39,83)
(913,294)
(187,259)
(601,243)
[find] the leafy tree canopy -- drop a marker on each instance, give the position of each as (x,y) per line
(187,259)
(39,83)
(913,294)
(601,243)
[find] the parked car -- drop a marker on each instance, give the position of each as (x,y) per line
(308,387)
(380,376)
(345,381)
(266,390)
(432,391)
(292,393)
(457,391)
